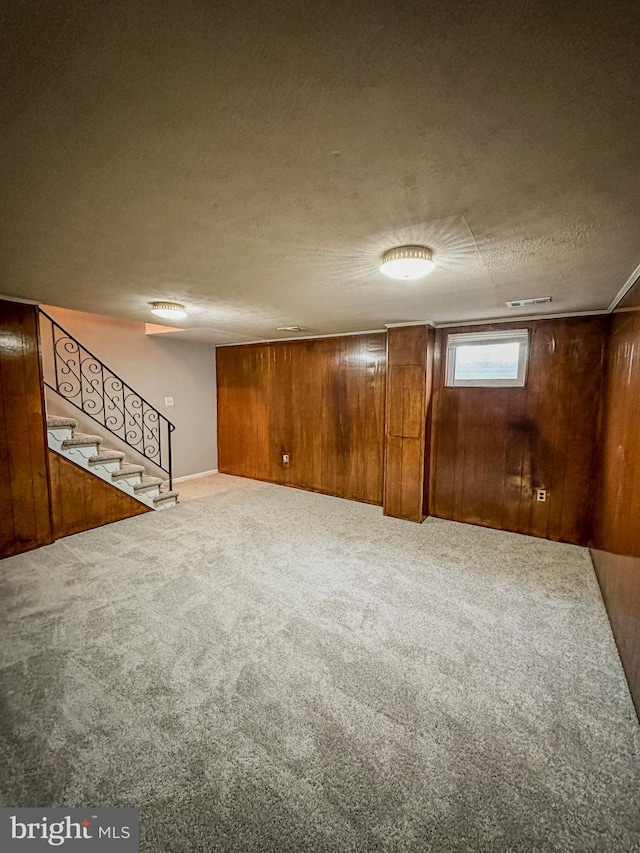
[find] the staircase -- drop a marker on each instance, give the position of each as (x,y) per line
(87,452)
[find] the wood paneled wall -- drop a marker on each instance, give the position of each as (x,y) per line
(409,384)
(25,521)
(616,530)
(81,501)
(493,447)
(321,401)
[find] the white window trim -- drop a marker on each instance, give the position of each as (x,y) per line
(508,336)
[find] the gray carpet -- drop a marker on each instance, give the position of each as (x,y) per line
(271,670)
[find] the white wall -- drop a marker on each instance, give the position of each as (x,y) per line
(156,367)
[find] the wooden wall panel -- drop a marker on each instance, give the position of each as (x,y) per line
(321,401)
(616,530)
(410,369)
(25,521)
(630,301)
(493,447)
(81,501)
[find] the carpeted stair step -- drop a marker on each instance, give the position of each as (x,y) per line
(81,440)
(61,423)
(147,485)
(106,456)
(109,460)
(165,499)
(128,472)
(61,428)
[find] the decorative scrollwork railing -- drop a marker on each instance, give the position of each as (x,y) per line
(81,378)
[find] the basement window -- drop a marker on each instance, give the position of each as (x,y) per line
(488,359)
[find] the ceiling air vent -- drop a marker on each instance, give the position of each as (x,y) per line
(520,303)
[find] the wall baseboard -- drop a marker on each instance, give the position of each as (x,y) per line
(195,476)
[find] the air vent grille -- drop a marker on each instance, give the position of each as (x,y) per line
(520,303)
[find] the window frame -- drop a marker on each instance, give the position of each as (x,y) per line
(507,336)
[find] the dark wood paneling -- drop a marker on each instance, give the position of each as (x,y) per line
(619,579)
(431,368)
(81,501)
(410,369)
(25,521)
(616,529)
(321,401)
(492,448)
(630,301)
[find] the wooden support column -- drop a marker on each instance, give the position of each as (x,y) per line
(408,399)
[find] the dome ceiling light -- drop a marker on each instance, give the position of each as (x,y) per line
(168,310)
(407,262)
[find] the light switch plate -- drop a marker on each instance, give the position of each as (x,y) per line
(168,401)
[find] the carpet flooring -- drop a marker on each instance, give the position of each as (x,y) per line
(265,669)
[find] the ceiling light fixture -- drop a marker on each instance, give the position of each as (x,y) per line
(168,310)
(291,329)
(407,262)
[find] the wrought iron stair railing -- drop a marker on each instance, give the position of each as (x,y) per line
(82,379)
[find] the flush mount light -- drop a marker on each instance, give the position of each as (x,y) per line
(290,329)
(407,262)
(168,310)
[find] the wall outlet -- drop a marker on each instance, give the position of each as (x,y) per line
(168,401)
(541,495)
(285,458)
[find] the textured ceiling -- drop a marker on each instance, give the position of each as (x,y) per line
(255,160)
